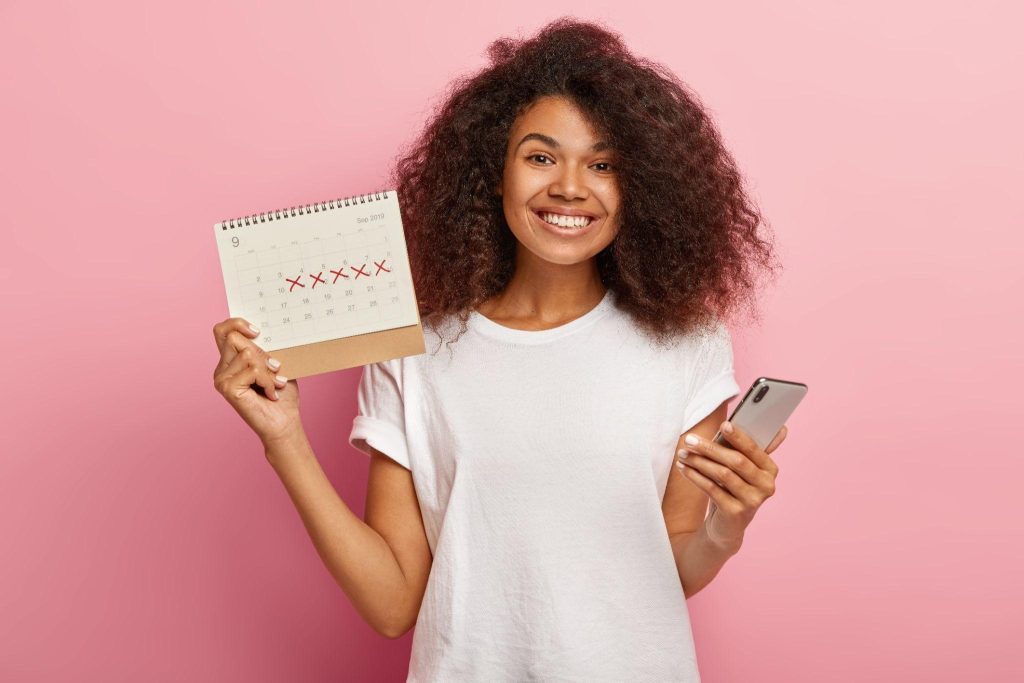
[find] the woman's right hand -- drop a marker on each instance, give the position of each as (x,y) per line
(274,414)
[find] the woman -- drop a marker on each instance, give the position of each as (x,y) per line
(572,210)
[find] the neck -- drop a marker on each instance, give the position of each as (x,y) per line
(547,293)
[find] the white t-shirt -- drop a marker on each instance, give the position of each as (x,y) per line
(540,460)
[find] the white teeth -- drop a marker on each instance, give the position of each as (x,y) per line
(565,221)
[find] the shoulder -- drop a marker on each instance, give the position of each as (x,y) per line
(708,348)
(438,350)
(702,342)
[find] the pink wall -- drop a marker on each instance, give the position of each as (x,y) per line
(145,537)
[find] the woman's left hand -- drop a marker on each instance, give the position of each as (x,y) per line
(737,479)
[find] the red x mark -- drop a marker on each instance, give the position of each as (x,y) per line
(360,270)
(380,267)
(316,279)
(294,282)
(337,274)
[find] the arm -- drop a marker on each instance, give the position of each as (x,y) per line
(382,565)
(698,558)
(738,478)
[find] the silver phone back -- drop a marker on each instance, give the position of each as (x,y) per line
(763,419)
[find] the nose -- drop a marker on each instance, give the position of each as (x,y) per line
(570,183)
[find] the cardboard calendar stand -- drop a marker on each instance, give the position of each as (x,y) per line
(350,352)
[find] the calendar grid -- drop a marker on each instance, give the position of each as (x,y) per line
(319,276)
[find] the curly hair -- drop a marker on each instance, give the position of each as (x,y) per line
(688,250)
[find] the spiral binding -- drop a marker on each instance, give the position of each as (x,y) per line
(315,207)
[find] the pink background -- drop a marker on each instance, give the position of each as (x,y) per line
(146,538)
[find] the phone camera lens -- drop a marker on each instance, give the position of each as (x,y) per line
(760,394)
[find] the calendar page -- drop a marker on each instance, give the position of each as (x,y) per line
(338,269)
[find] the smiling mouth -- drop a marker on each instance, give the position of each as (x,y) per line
(560,221)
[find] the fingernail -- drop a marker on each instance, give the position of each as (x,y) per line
(255,330)
(274,364)
(691,439)
(727,427)
(280,379)
(681,453)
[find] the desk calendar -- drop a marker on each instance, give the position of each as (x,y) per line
(327,284)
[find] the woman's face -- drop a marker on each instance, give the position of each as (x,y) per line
(555,164)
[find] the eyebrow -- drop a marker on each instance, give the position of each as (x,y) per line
(554,143)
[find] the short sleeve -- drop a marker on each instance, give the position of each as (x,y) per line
(711,372)
(381,419)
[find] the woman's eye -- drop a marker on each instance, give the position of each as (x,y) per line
(535,156)
(607,166)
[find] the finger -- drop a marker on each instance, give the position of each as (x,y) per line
(233,379)
(732,459)
(274,365)
(743,442)
(251,356)
(267,381)
(234,343)
(221,330)
(721,497)
(238,364)
(237,378)
(724,477)
(777,439)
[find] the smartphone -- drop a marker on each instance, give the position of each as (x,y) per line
(765,408)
